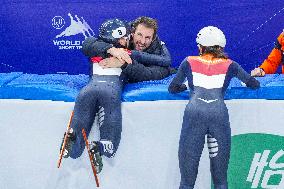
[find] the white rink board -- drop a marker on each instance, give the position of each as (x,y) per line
(31,134)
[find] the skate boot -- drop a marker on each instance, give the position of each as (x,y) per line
(71,137)
(95,149)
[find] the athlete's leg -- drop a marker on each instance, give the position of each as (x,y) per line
(84,115)
(110,118)
(219,144)
(190,147)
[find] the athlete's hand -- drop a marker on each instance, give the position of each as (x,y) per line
(111,62)
(120,54)
(257,72)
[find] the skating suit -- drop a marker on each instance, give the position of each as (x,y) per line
(101,96)
(206,114)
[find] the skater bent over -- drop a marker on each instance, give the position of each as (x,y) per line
(101,95)
(208,77)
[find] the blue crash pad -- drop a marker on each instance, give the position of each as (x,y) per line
(63,87)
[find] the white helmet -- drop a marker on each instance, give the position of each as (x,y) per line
(211,36)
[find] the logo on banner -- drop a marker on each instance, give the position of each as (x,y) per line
(58,22)
(78,26)
(257,161)
(258,176)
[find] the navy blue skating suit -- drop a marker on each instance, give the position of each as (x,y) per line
(102,96)
(206,114)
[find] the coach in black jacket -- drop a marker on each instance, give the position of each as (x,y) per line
(147,58)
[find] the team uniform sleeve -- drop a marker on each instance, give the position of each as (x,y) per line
(272,62)
(163,59)
(94,47)
(274,59)
(177,84)
(137,72)
(242,75)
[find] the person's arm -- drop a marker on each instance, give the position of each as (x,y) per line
(270,65)
(121,54)
(242,75)
(272,62)
(111,62)
(137,72)
(177,84)
(97,50)
(94,47)
(162,59)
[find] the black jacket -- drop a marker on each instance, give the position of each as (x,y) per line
(151,64)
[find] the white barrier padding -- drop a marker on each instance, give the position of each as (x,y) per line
(32,131)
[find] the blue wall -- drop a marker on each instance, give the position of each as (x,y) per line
(29,30)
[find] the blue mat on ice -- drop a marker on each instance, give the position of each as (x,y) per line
(62,87)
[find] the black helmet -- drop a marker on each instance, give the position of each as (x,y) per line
(113,29)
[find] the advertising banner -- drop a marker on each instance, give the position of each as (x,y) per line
(46,36)
(257,161)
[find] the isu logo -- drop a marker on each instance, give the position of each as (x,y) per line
(58,22)
(77,26)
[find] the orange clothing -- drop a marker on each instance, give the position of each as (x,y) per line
(274,59)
